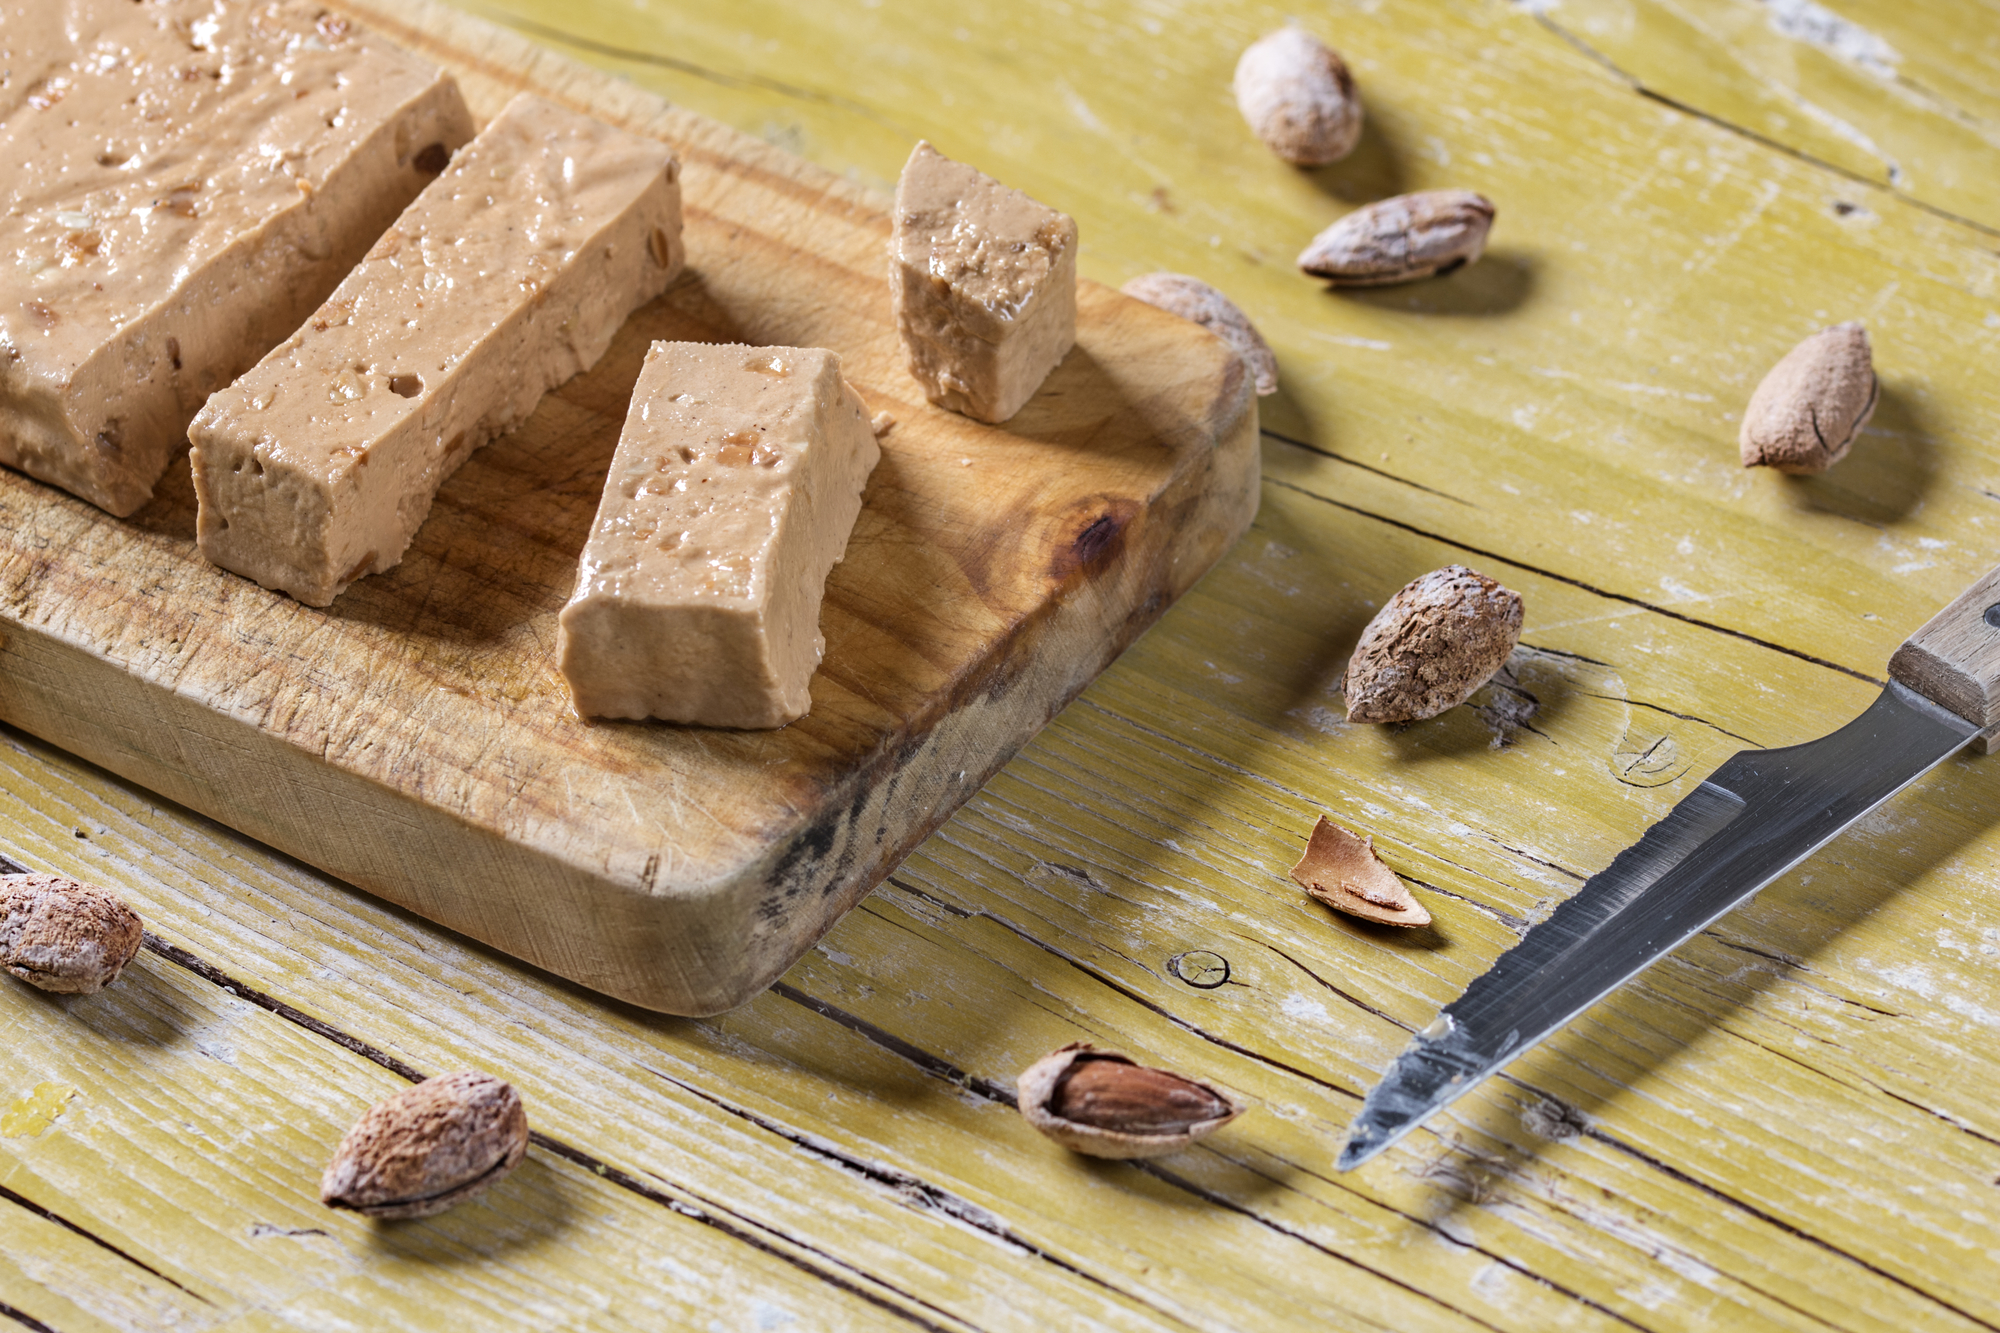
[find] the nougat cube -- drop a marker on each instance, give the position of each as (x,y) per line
(984,284)
(737,481)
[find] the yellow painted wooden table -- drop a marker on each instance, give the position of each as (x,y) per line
(1794,1122)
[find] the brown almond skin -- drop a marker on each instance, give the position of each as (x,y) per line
(1191,298)
(421,1150)
(1431,646)
(1298,98)
(1402,239)
(1808,409)
(63,935)
(1103,1104)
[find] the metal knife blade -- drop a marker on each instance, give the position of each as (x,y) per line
(1757,816)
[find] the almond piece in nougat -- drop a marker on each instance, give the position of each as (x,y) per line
(984,283)
(184,181)
(736,483)
(507,276)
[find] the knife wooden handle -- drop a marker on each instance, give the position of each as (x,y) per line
(1954,660)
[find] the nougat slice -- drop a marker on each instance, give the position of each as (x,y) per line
(736,483)
(984,283)
(508,275)
(184,182)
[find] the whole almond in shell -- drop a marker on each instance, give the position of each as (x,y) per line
(1299,98)
(1805,415)
(1104,1104)
(1191,298)
(1343,871)
(423,1149)
(1438,640)
(63,935)
(1402,239)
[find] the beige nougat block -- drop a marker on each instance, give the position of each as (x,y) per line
(184,181)
(736,483)
(508,275)
(984,283)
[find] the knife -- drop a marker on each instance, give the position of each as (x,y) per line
(1757,816)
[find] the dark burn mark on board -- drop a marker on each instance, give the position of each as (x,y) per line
(1098,541)
(1092,542)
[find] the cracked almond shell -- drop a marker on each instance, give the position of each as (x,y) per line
(1808,409)
(62,935)
(1191,298)
(423,1149)
(1343,871)
(1103,1104)
(1402,239)
(1438,640)
(1298,97)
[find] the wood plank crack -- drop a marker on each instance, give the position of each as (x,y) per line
(942,1068)
(1227,1204)
(1324,452)
(48,1215)
(915,1192)
(24,1319)
(1354,1000)
(1498,1258)
(1631,81)
(1118,988)
(1749,1209)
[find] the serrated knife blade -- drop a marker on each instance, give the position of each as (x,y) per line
(1754,818)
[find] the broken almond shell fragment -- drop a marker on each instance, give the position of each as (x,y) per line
(1103,1104)
(1431,646)
(1193,299)
(62,935)
(1805,414)
(1298,97)
(423,1149)
(1343,871)
(1402,239)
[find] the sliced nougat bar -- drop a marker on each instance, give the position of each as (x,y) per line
(508,275)
(736,483)
(184,181)
(984,284)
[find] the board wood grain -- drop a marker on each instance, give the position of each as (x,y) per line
(413,738)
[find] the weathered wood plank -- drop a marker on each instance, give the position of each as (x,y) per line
(1896,95)
(1787,1124)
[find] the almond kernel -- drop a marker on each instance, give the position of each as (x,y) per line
(1103,1104)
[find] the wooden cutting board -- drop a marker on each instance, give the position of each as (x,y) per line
(414,738)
